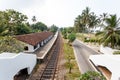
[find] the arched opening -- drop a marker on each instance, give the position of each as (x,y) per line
(106,72)
(22,74)
(26,48)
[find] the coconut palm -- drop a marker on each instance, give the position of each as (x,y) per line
(34,19)
(94,21)
(86,16)
(102,19)
(89,19)
(110,36)
(79,26)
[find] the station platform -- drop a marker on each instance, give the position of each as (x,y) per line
(42,51)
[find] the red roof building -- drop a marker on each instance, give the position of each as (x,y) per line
(34,40)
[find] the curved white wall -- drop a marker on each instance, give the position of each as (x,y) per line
(9,66)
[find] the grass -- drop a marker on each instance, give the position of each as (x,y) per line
(116,52)
(92,39)
(82,36)
(68,51)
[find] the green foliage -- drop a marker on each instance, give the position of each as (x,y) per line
(70,29)
(91,75)
(39,26)
(91,40)
(34,19)
(10,21)
(69,57)
(86,21)
(23,29)
(71,37)
(71,65)
(10,44)
(80,36)
(65,36)
(110,36)
(53,28)
(116,52)
(64,31)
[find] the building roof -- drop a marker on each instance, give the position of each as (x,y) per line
(33,38)
(111,62)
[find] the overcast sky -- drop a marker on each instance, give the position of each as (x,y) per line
(60,12)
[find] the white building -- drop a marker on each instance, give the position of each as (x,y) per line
(11,64)
(110,62)
(35,40)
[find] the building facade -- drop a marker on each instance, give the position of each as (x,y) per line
(34,41)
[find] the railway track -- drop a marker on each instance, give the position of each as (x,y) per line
(47,69)
(50,69)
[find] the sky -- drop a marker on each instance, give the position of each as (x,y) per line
(62,13)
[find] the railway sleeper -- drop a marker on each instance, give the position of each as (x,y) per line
(48,73)
(50,70)
(51,62)
(46,77)
(51,65)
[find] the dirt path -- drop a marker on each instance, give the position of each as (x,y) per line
(61,71)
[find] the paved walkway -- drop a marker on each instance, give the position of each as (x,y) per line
(42,51)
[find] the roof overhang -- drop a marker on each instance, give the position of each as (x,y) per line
(111,62)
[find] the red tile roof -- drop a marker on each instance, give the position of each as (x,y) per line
(33,38)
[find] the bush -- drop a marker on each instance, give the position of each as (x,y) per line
(65,36)
(91,75)
(10,44)
(91,40)
(71,37)
(116,52)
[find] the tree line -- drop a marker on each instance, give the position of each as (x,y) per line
(14,23)
(108,26)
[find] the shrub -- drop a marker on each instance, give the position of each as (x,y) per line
(10,44)
(116,52)
(71,37)
(65,35)
(91,75)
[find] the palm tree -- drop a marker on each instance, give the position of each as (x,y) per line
(89,19)
(86,17)
(34,19)
(110,36)
(94,21)
(79,27)
(102,19)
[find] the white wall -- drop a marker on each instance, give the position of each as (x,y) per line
(9,66)
(42,43)
(31,48)
(107,50)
